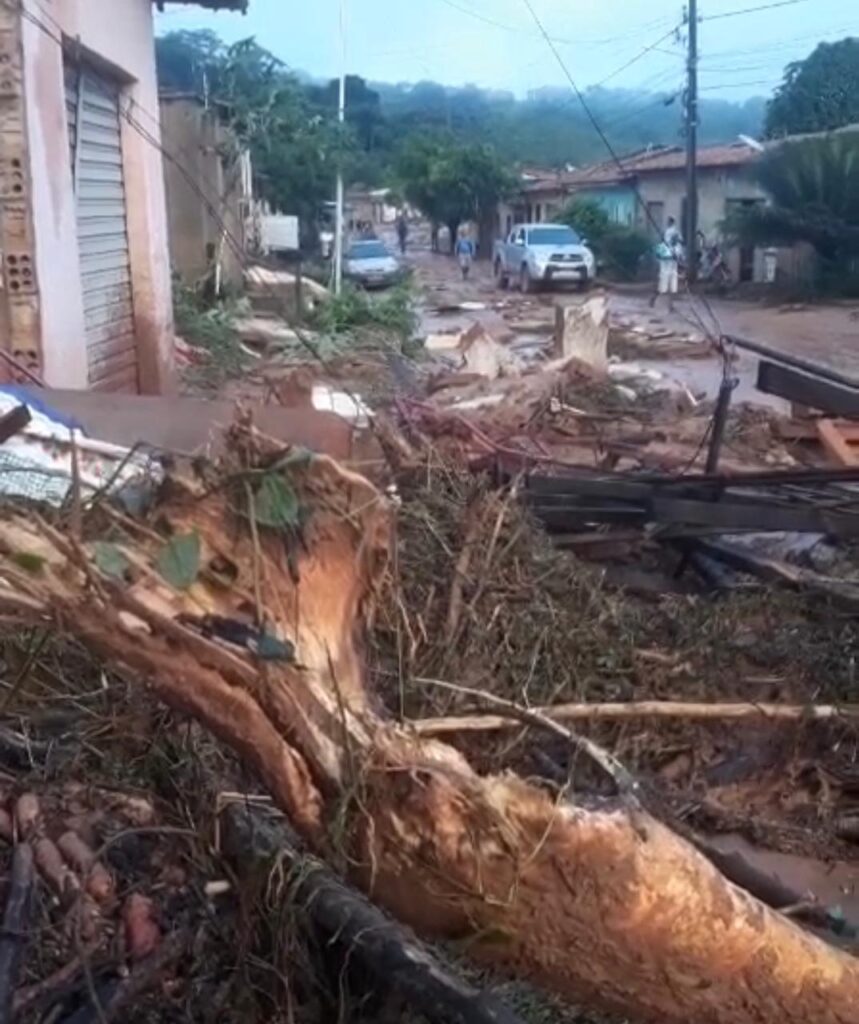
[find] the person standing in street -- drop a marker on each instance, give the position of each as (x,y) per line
(464,254)
(403,233)
(669,252)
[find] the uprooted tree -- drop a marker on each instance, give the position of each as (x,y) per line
(601,903)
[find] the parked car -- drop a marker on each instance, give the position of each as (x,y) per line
(535,254)
(371,264)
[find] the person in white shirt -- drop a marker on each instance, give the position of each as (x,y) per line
(669,252)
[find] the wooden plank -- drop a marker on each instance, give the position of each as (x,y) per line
(806,430)
(835,444)
(795,386)
(762,516)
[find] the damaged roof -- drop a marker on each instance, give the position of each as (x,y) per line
(661,158)
(651,160)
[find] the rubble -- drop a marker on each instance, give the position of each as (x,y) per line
(546,547)
(203,639)
(581,332)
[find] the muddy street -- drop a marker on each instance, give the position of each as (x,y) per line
(827,334)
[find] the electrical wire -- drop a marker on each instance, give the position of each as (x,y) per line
(639,56)
(736,85)
(719,333)
(235,245)
(753,10)
(662,101)
(239,251)
(518,30)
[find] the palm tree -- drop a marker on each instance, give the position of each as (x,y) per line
(813,185)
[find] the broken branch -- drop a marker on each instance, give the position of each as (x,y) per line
(638,709)
(626,784)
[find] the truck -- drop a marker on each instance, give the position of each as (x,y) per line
(537,254)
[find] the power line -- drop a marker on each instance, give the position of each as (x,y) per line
(736,85)
(639,56)
(640,199)
(790,43)
(518,30)
(753,10)
(663,101)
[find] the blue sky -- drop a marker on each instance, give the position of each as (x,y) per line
(455,42)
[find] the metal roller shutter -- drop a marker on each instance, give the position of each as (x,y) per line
(92,104)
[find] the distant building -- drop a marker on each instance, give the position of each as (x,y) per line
(368,206)
(541,196)
(209,193)
(648,187)
(85,295)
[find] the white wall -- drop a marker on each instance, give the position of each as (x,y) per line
(120,34)
(715,187)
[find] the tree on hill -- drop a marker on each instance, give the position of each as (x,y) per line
(819,93)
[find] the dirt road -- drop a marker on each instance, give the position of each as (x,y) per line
(828,334)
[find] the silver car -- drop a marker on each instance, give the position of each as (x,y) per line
(370,264)
(536,254)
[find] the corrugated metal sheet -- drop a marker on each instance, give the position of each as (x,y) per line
(92,105)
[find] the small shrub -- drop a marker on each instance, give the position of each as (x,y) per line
(623,251)
(209,327)
(588,218)
(620,249)
(390,313)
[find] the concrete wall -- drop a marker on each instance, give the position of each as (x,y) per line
(715,188)
(201,144)
(530,207)
(118,36)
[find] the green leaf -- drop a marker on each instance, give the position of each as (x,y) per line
(28,561)
(110,559)
(179,560)
(276,503)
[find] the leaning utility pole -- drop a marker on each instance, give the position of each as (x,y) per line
(341,118)
(691,225)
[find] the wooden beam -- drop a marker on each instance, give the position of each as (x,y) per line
(835,444)
(815,392)
(806,430)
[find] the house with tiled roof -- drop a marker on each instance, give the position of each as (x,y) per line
(85,295)
(643,189)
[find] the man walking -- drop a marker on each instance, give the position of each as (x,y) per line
(403,233)
(464,254)
(669,252)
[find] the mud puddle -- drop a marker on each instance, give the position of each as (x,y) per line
(831,884)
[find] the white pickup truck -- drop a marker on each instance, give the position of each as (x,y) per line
(535,254)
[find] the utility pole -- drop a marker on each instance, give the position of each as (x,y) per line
(691,225)
(341,118)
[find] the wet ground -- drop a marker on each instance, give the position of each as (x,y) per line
(828,334)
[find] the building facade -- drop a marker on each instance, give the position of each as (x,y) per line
(209,193)
(86,290)
(648,187)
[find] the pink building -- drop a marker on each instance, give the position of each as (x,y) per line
(85,295)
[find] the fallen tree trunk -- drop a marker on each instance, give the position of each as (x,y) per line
(603,903)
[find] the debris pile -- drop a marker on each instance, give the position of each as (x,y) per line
(558,684)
